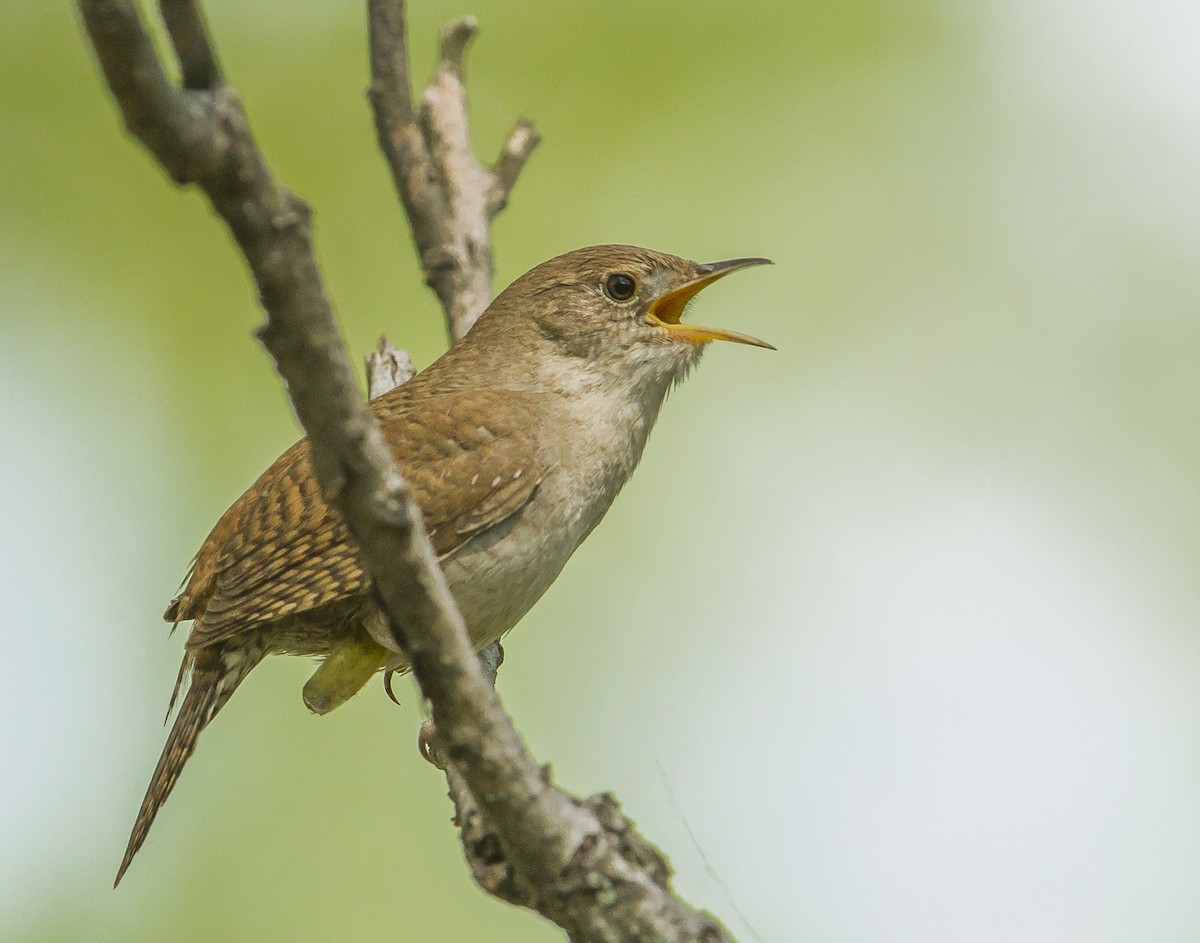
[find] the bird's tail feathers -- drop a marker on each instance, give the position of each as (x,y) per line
(216,672)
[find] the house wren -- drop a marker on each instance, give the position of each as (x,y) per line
(514,444)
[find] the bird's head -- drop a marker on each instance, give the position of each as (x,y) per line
(610,312)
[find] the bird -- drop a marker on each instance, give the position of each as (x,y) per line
(514,444)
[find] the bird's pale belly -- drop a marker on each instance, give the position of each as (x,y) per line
(498,576)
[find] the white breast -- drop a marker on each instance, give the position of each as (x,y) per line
(590,447)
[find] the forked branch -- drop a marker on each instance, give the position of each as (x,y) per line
(449,196)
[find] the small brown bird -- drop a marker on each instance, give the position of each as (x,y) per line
(514,443)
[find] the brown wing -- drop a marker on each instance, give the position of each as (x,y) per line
(469,458)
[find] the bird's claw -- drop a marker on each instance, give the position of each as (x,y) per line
(425,743)
(387,685)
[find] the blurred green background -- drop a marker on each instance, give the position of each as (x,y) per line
(896,633)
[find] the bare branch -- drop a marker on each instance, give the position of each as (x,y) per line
(202,136)
(387,368)
(155,111)
(189,36)
(448,195)
(455,37)
(391,98)
(519,144)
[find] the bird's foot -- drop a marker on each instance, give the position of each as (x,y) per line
(426,741)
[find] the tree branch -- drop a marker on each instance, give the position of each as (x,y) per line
(579,863)
(450,198)
(387,367)
(189,36)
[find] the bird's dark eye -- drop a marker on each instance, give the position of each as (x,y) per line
(619,286)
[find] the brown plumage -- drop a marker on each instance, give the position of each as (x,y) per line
(514,444)
(279,574)
(216,671)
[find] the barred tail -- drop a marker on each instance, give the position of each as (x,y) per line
(215,674)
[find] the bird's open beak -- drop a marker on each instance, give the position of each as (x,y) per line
(667,309)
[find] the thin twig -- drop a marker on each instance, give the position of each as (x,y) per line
(189,36)
(387,367)
(519,144)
